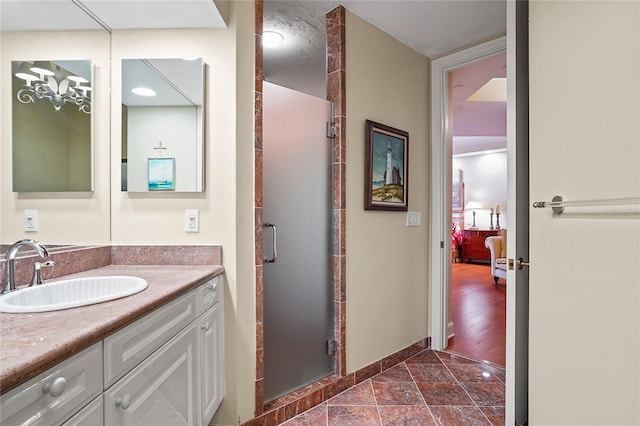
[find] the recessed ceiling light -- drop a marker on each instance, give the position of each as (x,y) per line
(143,91)
(271,39)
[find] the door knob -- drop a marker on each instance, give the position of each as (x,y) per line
(520,263)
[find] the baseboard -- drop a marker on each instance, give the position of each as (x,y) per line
(450,332)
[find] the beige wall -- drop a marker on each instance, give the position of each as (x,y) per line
(226,206)
(585,273)
(387,273)
(74,218)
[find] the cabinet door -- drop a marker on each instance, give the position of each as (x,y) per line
(210,362)
(161,390)
(91,415)
(55,395)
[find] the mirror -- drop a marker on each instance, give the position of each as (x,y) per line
(162,125)
(51,126)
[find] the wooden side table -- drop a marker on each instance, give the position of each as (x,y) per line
(473,244)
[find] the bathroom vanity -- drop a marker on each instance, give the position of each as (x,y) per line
(151,358)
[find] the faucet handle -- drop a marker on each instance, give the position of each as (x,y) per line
(37,276)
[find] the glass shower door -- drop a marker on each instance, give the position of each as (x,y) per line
(298,273)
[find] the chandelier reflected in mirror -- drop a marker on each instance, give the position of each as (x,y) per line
(55,82)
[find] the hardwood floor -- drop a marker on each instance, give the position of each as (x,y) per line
(478,312)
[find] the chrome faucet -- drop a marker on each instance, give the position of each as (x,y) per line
(9,283)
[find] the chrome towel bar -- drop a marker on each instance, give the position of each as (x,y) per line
(558,203)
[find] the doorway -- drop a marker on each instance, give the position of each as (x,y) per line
(477,317)
(298,274)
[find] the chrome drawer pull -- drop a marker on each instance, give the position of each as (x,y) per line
(123,402)
(55,387)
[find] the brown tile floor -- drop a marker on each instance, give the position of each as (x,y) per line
(431,388)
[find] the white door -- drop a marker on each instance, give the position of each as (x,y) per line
(584,333)
(517,398)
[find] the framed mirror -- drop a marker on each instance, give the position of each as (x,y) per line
(162,125)
(52,126)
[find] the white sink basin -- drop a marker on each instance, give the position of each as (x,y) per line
(70,293)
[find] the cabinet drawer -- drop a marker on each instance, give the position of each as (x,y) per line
(55,395)
(129,346)
(91,415)
(209,294)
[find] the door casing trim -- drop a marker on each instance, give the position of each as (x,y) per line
(440,227)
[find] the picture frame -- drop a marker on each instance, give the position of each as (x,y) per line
(457,191)
(161,174)
(386,183)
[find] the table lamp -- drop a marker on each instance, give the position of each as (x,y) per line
(473,206)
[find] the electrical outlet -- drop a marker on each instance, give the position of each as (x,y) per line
(31,220)
(192,220)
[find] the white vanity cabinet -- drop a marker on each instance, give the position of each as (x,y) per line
(55,395)
(180,382)
(165,368)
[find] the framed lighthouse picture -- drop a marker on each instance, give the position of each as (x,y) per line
(386,168)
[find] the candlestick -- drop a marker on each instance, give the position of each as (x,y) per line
(497,220)
(491,219)
(497,208)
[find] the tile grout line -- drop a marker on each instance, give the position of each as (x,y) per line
(465,389)
(419,391)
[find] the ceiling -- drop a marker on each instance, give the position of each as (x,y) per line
(430,27)
(176,81)
(48,15)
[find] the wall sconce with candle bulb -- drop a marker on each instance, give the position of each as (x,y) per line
(55,83)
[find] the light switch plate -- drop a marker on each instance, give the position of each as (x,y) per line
(192,220)
(31,221)
(414,219)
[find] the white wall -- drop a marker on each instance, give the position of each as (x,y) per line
(387,274)
(64,218)
(585,269)
(173,126)
(485,180)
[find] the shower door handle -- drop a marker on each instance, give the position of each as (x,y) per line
(275,242)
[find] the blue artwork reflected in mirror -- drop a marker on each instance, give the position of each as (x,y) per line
(162,174)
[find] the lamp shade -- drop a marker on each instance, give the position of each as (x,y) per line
(473,205)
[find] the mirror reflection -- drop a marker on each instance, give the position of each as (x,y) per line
(162,131)
(51,126)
